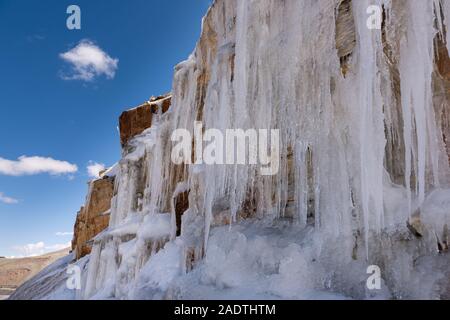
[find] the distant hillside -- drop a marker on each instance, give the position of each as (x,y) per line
(14,272)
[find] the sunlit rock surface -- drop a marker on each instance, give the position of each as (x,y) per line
(134,121)
(93,218)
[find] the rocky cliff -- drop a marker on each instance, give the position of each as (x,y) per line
(93,218)
(133,122)
(363,112)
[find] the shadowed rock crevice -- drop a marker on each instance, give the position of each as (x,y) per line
(181,204)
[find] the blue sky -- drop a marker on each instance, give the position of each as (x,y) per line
(63,119)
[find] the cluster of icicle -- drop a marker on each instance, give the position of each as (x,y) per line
(362,136)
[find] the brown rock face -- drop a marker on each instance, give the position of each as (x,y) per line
(442,59)
(94,217)
(133,122)
(345,33)
(441,84)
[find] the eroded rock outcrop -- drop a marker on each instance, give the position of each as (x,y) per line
(93,218)
(134,121)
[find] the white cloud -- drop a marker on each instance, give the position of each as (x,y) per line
(31,249)
(57,247)
(36,37)
(38,249)
(88,61)
(35,165)
(63,234)
(94,169)
(7,200)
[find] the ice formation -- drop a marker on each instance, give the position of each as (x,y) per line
(364,179)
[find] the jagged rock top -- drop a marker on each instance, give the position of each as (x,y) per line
(134,121)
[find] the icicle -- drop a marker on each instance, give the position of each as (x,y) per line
(302,181)
(416,90)
(372,138)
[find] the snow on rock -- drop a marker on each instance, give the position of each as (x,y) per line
(110,172)
(155,226)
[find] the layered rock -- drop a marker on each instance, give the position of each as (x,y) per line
(345,34)
(134,121)
(93,218)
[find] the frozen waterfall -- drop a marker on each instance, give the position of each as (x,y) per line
(364,120)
